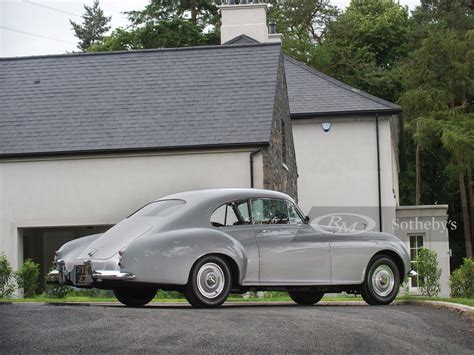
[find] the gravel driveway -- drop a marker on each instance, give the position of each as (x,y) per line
(27,328)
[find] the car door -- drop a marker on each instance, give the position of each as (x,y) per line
(291,252)
(233,218)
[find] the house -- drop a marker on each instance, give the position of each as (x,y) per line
(85,139)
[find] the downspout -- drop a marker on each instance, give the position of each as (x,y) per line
(378,170)
(251,165)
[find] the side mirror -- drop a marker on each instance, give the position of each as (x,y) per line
(306,219)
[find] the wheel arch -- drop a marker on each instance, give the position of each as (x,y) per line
(397,259)
(231,262)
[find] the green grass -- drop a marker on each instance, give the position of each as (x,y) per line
(278,297)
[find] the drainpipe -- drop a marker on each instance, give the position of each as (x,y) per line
(251,165)
(378,169)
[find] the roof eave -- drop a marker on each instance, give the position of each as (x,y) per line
(308,115)
(130,150)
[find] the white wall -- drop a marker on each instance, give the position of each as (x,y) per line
(103,190)
(339,167)
(430,222)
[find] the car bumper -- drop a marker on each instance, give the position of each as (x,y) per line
(64,276)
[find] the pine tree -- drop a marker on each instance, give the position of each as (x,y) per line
(94,26)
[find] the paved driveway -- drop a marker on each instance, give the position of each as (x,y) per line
(26,328)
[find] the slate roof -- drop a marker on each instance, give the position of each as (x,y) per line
(151,99)
(312,93)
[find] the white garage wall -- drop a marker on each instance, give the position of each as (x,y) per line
(339,167)
(103,190)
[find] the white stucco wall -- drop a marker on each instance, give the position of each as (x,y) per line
(339,167)
(429,222)
(103,190)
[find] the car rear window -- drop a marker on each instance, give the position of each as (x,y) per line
(160,208)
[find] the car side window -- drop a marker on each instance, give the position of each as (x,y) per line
(293,216)
(269,211)
(231,214)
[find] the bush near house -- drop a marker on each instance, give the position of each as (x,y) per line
(7,277)
(428,269)
(462,280)
(28,277)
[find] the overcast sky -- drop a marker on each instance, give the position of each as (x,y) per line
(34,27)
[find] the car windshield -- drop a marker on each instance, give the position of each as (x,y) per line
(159,208)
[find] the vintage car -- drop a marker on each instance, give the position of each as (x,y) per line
(209,243)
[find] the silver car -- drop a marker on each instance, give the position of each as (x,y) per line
(209,243)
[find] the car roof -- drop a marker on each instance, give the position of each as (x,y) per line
(225,194)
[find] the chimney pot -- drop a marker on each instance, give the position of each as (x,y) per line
(272,26)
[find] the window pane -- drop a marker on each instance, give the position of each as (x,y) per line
(231,214)
(294,217)
(267,211)
(420,241)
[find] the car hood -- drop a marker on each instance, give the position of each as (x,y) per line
(116,238)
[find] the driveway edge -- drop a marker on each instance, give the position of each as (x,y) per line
(461,308)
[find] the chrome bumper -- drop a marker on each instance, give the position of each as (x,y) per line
(57,276)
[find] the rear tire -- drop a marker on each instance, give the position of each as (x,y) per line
(306,298)
(209,282)
(382,281)
(135,297)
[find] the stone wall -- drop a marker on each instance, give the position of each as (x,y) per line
(279,160)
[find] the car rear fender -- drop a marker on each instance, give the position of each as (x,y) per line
(167,258)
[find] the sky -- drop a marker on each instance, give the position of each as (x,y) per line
(37,27)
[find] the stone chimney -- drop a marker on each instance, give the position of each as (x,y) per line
(249,17)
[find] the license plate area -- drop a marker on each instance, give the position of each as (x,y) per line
(83,275)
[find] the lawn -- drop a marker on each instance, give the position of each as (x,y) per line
(277,297)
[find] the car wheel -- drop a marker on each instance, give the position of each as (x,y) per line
(135,297)
(306,298)
(382,281)
(209,282)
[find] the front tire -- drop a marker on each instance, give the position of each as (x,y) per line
(382,281)
(209,282)
(306,298)
(135,297)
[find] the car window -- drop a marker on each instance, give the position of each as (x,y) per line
(231,214)
(293,216)
(162,208)
(269,211)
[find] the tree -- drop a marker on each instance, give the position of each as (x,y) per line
(303,24)
(28,277)
(93,27)
(165,24)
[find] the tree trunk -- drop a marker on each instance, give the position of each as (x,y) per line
(193,11)
(470,196)
(418,174)
(465,215)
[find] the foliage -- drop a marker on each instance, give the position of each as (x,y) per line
(462,280)
(94,25)
(363,45)
(55,290)
(165,24)
(7,277)
(427,267)
(28,276)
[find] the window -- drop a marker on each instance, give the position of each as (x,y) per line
(231,214)
(269,211)
(162,208)
(416,243)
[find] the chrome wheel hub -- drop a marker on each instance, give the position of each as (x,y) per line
(383,280)
(210,280)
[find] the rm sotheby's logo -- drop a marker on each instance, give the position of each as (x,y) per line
(346,223)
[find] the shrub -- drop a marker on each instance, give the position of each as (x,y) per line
(28,277)
(55,290)
(429,270)
(462,280)
(7,277)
